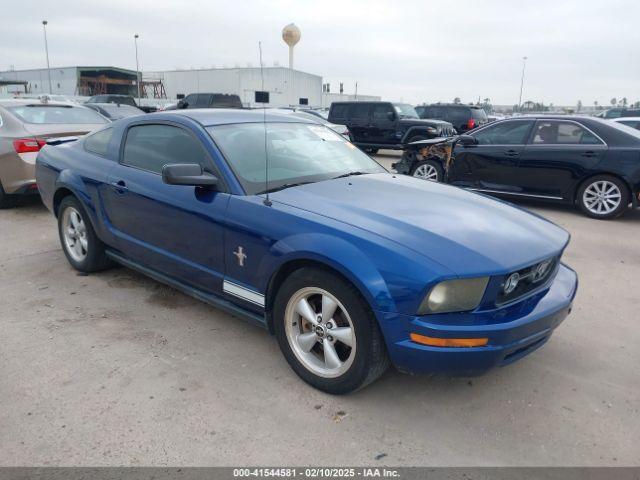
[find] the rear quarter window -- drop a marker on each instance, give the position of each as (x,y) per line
(340,111)
(98,142)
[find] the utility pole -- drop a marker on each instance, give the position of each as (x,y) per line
(524,63)
(46,50)
(138,76)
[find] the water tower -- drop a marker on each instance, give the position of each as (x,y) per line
(291,36)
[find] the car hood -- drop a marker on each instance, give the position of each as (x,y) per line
(467,232)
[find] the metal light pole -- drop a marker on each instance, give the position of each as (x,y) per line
(524,63)
(46,50)
(138,76)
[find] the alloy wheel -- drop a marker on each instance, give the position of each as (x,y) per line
(320,332)
(74,232)
(602,197)
(426,172)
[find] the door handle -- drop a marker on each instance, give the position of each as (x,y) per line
(588,154)
(512,153)
(120,186)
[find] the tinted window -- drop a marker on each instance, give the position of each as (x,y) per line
(42,114)
(405,110)
(151,147)
(98,142)
(458,115)
(505,133)
(434,112)
(381,112)
(339,111)
(262,97)
(191,100)
(359,111)
(562,133)
(203,100)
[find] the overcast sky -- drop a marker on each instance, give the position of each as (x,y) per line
(414,51)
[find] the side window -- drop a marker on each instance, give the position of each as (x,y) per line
(98,142)
(151,147)
(381,112)
(359,111)
(339,111)
(434,112)
(191,100)
(204,100)
(505,133)
(562,133)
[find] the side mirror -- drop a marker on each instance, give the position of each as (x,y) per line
(182,104)
(391,116)
(467,140)
(190,174)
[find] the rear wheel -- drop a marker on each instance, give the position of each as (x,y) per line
(603,197)
(82,247)
(428,170)
(327,332)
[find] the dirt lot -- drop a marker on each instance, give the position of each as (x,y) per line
(116,369)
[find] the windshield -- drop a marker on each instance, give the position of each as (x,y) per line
(56,114)
(298,153)
(120,110)
(404,110)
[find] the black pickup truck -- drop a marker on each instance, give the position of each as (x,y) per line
(376,125)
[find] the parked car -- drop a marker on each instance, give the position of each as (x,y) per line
(114,111)
(462,117)
(121,100)
(633,122)
(306,114)
(586,161)
(209,100)
(25,126)
(350,266)
(375,125)
(619,112)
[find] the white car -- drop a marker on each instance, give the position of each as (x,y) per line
(633,122)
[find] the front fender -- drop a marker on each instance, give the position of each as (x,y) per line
(339,255)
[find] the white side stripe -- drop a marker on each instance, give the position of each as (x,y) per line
(243,293)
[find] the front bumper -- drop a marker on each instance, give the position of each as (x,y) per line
(513,331)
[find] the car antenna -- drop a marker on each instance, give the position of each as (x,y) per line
(266,201)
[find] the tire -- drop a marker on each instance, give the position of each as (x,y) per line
(82,247)
(353,366)
(6,201)
(428,170)
(603,197)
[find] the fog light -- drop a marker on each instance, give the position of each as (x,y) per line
(448,342)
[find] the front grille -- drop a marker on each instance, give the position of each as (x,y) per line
(529,279)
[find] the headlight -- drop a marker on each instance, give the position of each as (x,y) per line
(458,295)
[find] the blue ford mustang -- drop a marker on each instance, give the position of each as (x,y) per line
(351,267)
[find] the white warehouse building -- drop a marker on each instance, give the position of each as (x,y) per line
(284,86)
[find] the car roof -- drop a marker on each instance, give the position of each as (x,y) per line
(622,119)
(15,102)
(222,116)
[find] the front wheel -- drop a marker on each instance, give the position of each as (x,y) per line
(603,197)
(82,247)
(327,332)
(428,170)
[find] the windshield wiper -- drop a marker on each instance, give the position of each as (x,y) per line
(349,174)
(284,186)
